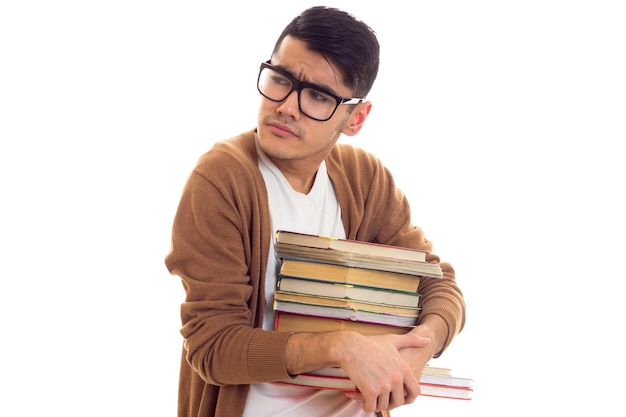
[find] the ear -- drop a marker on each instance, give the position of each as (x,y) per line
(357,118)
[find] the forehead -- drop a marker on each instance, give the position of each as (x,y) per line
(307,65)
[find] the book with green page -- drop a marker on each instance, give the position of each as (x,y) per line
(352,292)
(344,309)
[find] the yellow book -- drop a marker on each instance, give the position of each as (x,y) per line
(300,323)
(349,275)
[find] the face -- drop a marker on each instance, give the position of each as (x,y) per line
(285,134)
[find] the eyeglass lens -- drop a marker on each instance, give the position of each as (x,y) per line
(313,103)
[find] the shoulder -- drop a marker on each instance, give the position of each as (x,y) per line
(359,174)
(233,156)
(229,170)
(353,159)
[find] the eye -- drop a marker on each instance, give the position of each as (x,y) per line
(280,80)
(318,96)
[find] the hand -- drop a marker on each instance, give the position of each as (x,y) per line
(417,358)
(384,379)
(432,328)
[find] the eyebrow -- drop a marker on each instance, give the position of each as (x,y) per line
(320,87)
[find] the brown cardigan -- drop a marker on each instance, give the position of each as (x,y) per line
(220,242)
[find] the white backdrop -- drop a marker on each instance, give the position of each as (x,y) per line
(503,121)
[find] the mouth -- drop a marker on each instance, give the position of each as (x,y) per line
(281,129)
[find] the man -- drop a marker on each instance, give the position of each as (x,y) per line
(290,173)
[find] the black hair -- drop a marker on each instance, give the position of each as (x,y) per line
(342,39)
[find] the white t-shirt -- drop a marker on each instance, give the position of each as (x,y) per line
(317,212)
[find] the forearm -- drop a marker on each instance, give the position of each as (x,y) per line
(443,307)
(306,352)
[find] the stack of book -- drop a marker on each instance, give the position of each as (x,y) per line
(327,284)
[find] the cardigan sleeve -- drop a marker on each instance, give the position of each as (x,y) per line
(220,253)
(375,210)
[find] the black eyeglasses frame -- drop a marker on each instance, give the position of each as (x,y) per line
(297,85)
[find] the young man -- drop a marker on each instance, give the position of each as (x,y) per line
(290,173)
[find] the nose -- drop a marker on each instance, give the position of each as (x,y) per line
(289,107)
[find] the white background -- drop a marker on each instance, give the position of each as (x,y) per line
(504,122)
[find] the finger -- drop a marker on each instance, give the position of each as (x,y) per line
(382,402)
(411,341)
(370,404)
(411,391)
(395,399)
(355,395)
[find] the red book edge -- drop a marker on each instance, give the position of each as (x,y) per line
(421,384)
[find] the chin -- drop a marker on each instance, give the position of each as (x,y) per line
(273,146)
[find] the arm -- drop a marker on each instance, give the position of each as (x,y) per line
(220,266)
(363,198)
(375,210)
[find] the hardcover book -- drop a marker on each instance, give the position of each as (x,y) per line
(302,323)
(346,303)
(444,386)
(317,306)
(349,275)
(290,245)
(352,246)
(352,292)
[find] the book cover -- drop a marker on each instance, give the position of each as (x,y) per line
(348,245)
(429,378)
(346,303)
(302,323)
(354,253)
(343,313)
(447,380)
(352,292)
(436,370)
(430,390)
(349,275)
(431,385)
(336,257)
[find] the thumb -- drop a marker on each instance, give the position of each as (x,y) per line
(410,340)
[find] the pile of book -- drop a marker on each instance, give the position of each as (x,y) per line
(327,284)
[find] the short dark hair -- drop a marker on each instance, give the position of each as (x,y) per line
(341,38)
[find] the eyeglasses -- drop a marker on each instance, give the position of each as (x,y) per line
(314,101)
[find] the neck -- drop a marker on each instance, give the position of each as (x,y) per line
(301,179)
